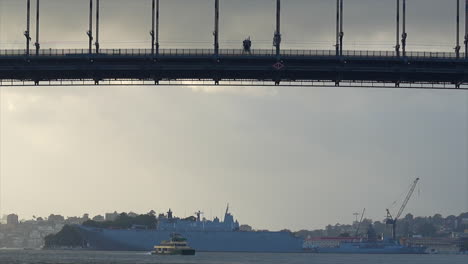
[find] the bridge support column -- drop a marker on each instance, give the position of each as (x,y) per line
(28,24)
(277,37)
(38,46)
(90,30)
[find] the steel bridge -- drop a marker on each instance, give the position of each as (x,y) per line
(396,68)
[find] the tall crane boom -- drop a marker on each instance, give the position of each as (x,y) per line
(393,221)
(408,196)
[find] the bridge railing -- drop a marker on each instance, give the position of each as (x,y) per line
(227,52)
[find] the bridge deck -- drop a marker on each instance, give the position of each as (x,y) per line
(419,69)
(231,52)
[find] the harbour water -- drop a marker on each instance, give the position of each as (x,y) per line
(99,257)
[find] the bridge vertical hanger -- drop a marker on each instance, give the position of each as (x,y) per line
(277,38)
(466,29)
(457,47)
(28,24)
(397,46)
(337,45)
(90,30)
(341,28)
(97,27)
(38,46)
(153,15)
(157,27)
(404,35)
(216,29)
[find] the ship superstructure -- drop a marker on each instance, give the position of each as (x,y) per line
(170,223)
(204,235)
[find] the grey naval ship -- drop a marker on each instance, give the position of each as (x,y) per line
(203,235)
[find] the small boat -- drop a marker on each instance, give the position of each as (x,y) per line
(176,246)
(29,248)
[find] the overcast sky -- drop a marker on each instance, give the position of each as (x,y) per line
(282,157)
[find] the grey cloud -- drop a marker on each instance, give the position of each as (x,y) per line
(306,24)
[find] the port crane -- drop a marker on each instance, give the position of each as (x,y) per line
(393,221)
(360,222)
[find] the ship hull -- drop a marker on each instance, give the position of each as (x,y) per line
(370,251)
(204,241)
(362,248)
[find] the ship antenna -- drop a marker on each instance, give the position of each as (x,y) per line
(227,209)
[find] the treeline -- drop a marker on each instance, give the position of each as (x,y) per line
(124,221)
(431,226)
(68,237)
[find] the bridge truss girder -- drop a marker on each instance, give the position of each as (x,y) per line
(416,72)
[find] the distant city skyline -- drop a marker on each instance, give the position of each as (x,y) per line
(281,157)
(90,216)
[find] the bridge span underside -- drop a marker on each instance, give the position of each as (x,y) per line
(244,69)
